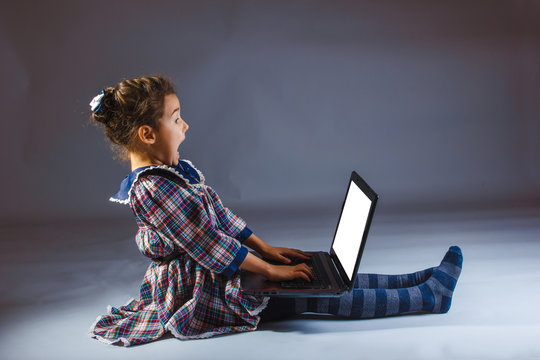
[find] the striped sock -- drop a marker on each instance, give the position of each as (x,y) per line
(431,291)
(380,281)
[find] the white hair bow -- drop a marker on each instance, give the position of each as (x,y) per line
(96,102)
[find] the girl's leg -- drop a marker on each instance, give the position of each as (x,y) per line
(433,295)
(380,281)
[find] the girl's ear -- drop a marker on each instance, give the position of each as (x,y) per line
(146,134)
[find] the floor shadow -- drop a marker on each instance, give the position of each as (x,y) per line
(312,323)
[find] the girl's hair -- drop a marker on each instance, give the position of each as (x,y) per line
(129,105)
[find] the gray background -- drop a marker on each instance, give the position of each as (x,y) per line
(435,104)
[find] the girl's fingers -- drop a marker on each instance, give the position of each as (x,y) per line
(303,276)
(284,259)
(300,254)
(306,270)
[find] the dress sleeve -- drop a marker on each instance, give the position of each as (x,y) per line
(180,214)
(232,224)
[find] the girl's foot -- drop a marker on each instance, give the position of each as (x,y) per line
(437,291)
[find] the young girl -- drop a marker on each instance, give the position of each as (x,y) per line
(197,245)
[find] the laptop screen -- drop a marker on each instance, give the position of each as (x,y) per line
(353,225)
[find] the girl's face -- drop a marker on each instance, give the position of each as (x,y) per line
(171,132)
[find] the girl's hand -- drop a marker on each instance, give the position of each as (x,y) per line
(286,272)
(282,254)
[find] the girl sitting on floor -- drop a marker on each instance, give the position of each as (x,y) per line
(197,245)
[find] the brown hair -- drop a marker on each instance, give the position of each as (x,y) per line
(129,105)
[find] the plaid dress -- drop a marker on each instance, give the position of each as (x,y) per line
(197,293)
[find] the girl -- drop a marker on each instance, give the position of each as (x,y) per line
(196,244)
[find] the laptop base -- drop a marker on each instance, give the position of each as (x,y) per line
(258,285)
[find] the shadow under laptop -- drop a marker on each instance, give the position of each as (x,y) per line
(312,323)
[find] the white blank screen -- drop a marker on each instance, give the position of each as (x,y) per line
(351,228)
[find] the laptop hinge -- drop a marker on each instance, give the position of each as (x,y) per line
(335,273)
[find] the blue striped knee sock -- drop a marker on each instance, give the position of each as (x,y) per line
(380,281)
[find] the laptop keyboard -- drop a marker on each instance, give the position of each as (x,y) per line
(320,279)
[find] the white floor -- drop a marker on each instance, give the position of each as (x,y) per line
(57,278)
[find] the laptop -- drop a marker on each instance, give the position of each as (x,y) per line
(334,271)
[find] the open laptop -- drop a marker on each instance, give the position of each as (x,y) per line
(334,271)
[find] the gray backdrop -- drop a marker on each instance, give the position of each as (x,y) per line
(435,104)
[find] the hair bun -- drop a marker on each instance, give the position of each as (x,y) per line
(126,106)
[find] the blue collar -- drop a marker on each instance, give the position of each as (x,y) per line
(184,170)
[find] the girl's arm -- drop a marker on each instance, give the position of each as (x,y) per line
(274,253)
(256,244)
(276,272)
